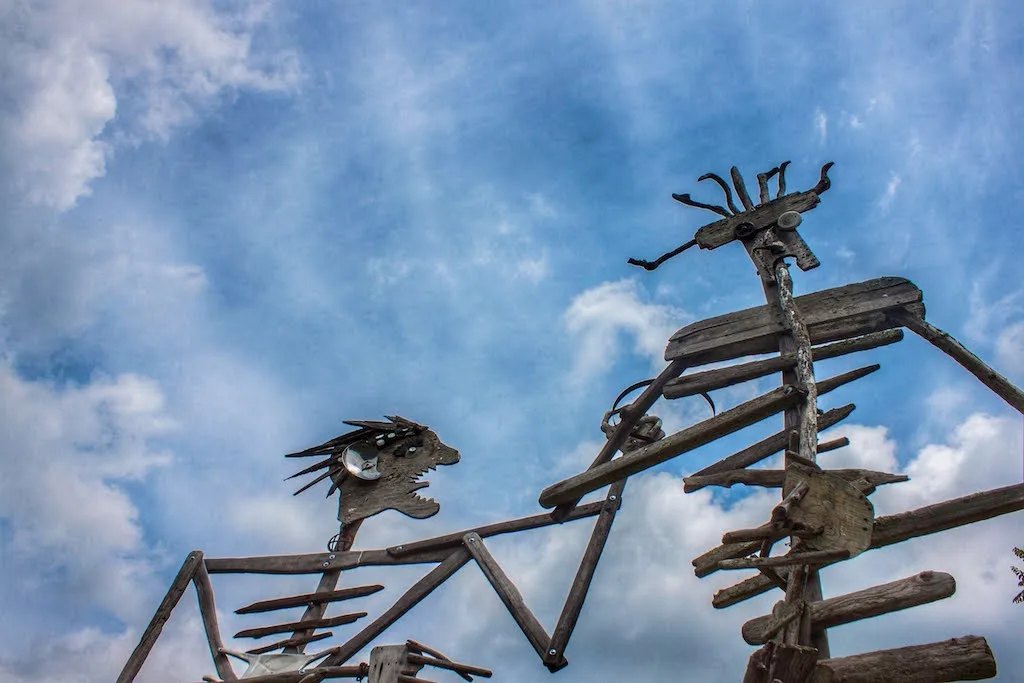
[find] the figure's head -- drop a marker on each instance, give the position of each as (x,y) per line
(378,467)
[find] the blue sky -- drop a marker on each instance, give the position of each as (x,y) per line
(230,226)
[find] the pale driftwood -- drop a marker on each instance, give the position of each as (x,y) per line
(833,445)
(781,512)
(766,448)
(450,665)
(289,642)
(830,315)
(412,597)
(163,613)
(780,662)
(912,591)
(959,659)
(584,576)
(710,380)
(454,539)
(307,598)
(810,557)
(420,648)
(767,531)
(671,446)
(388,662)
(208,612)
(304,625)
(317,563)
(628,419)
(897,528)
(510,596)
(833,504)
(776,478)
(804,419)
(1003,387)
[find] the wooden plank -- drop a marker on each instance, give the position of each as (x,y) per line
(454,539)
(830,315)
(317,563)
(1003,387)
(163,613)
(809,557)
(304,625)
(776,478)
(412,597)
(710,380)
(420,648)
(208,612)
(959,659)
(307,598)
(510,596)
(450,665)
(780,662)
(919,589)
(289,642)
(714,235)
(897,528)
(388,662)
(766,448)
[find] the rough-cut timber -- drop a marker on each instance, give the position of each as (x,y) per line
(688,439)
(388,662)
(305,624)
(710,380)
(208,612)
(776,478)
(316,563)
(307,598)
(912,591)
(714,235)
(958,659)
(830,315)
(289,642)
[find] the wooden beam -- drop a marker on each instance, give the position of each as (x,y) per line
(830,315)
(289,642)
(163,613)
(919,589)
(304,625)
(776,478)
(388,662)
(710,380)
(809,557)
(959,659)
(412,597)
(702,433)
(897,528)
(454,539)
(420,648)
(510,596)
(450,665)
(208,611)
(766,448)
(318,563)
(958,352)
(308,598)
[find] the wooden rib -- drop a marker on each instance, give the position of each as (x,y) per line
(510,596)
(307,598)
(830,315)
(958,352)
(412,597)
(584,576)
(811,557)
(919,589)
(892,529)
(710,380)
(741,188)
(450,665)
(163,613)
(317,563)
(833,445)
(316,481)
(702,433)
(313,468)
(776,478)
(305,625)
(330,446)
(208,612)
(628,419)
(751,455)
(423,649)
(289,642)
(523,523)
(959,659)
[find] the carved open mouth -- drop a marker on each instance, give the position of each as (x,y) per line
(419,483)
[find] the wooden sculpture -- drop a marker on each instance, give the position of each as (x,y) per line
(826,514)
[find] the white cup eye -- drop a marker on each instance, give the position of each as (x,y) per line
(789,220)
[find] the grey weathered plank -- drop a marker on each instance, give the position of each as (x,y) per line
(304,624)
(316,563)
(959,659)
(208,612)
(830,315)
(448,664)
(714,235)
(307,598)
(776,478)
(810,557)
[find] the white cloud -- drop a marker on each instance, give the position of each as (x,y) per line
(1010,351)
(886,200)
(821,125)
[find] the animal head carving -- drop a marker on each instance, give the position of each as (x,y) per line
(378,467)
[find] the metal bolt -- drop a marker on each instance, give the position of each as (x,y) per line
(331,557)
(391,435)
(399,547)
(552,652)
(380,442)
(472,540)
(327,564)
(412,449)
(612,497)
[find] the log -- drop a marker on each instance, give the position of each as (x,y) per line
(897,528)
(958,352)
(830,315)
(454,539)
(510,596)
(810,557)
(681,442)
(304,625)
(208,612)
(318,563)
(894,596)
(776,478)
(307,598)
(710,380)
(766,448)
(412,597)
(163,613)
(289,642)
(959,659)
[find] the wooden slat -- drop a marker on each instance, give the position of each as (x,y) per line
(959,659)
(289,642)
(510,596)
(305,624)
(714,235)
(897,528)
(163,612)
(317,563)
(450,665)
(830,315)
(656,453)
(810,557)
(710,380)
(420,648)
(307,598)
(208,612)
(919,589)
(776,478)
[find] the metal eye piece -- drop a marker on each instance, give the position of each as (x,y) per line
(361,462)
(789,220)
(744,230)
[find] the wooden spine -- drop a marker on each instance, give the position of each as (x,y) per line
(208,611)
(959,659)
(308,598)
(163,612)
